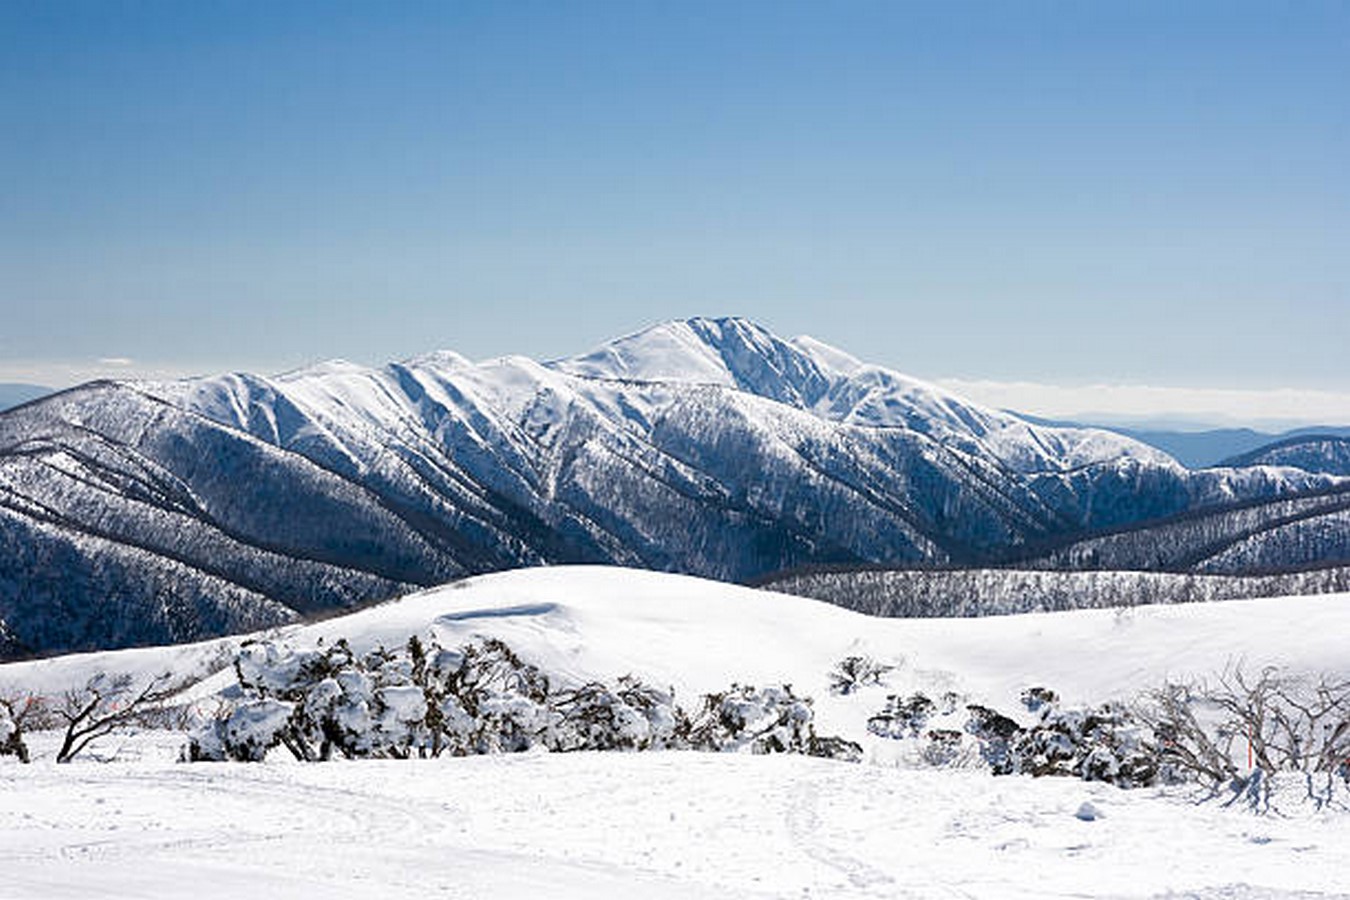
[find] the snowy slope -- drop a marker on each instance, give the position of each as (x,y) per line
(689,825)
(586,623)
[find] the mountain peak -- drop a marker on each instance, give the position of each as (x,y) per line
(730,351)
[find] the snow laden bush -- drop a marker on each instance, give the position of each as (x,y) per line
(480,698)
(768,720)
(1101,743)
(626,716)
(1104,743)
(18,713)
(383,704)
(902,717)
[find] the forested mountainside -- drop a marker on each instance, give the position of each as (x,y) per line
(135,512)
(1327,453)
(933,593)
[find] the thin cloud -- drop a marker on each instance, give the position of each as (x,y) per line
(1122,403)
(67,373)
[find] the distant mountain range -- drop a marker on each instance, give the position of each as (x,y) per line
(1199,447)
(12,395)
(138,512)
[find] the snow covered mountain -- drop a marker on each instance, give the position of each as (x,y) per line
(136,512)
(1329,453)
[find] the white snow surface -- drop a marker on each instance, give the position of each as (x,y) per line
(676,824)
(632,379)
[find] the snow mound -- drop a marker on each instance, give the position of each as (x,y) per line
(584,623)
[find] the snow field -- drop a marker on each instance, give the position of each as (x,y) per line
(680,825)
(665,824)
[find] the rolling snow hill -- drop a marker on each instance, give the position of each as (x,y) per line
(135,513)
(595,622)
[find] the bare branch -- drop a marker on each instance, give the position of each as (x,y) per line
(107,704)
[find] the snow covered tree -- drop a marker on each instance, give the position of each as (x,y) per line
(18,713)
(855,672)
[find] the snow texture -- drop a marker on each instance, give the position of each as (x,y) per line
(673,824)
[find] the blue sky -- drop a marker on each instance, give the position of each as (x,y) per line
(1062,193)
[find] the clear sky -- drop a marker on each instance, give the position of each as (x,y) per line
(1065,193)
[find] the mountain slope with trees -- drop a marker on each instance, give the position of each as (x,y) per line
(708,446)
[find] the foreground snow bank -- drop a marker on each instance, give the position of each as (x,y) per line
(659,825)
(596,624)
(687,825)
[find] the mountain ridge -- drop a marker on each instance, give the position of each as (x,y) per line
(706,446)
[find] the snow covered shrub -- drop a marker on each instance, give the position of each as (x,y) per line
(997,735)
(763,720)
(11,737)
(944,748)
(907,718)
(480,698)
(245,734)
(833,747)
(855,672)
(18,713)
(1103,743)
(388,703)
(487,700)
(315,702)
(901,717)
(1035,698)
(629,716)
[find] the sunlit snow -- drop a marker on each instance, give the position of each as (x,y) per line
(683,824)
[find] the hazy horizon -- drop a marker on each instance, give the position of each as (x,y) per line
(1169,407)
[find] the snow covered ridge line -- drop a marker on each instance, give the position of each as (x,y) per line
(945,593)
(143,513)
